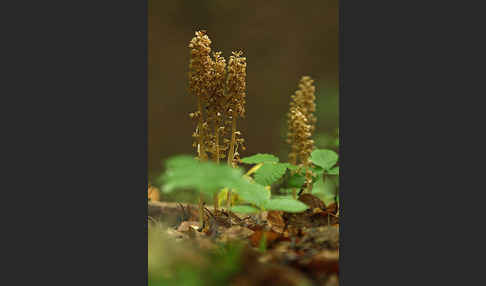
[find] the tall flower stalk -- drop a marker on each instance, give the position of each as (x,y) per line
(220,90)
(200,66)
(301,123)
(216,108)
(236,88)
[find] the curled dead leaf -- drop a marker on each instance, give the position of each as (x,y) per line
(153,193)
(270,236)
(236,233)
(188,225)
(276,221)
(332,208)
(312,201)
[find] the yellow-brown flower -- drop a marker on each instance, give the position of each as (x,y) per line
(301,123)
(200,66)
(216,106)
(236,89)
(305,98)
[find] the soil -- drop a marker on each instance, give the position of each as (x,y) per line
(281,248)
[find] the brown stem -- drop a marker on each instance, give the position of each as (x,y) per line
(228,200)
(233,140)
(231,152)
(201,153)
(215,197)
(228,204)
(201,214)
(217,143)
(308,176)
(200,147)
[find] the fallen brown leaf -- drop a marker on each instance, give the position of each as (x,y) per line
(256,237)
(332,208)
(327,261)
(153,193)
(276,221)
(188,225)
(236,233)
(312,201)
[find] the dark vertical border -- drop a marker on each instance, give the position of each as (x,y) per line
(81,86)
(341,152)
(397,186)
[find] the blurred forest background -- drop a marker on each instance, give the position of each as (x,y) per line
(282,41)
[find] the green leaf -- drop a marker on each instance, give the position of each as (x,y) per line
(251,192)
(287,196)
(296,181)
(184,172)
(324,158)
(334,171)
(244,209)
(260,158)
(286,191)
(286,205)
(180,161)
(292,167)
(325,190)
(317,170)
(335,180)
(270,173)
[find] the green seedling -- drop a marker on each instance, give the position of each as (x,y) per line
(184,172)
(326,175)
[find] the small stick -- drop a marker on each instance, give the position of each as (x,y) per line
(215,196)
(201,214)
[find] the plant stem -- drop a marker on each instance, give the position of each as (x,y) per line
(308,176)
(231,153)
(228,200)
(216,139)
(201,218)
(216,127)
(200,147)
(233,140)
(201,154)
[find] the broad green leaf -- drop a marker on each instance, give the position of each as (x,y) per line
(180,161)
(324,158)
(334,179)
(251,192)
(292,167)
(334,171)
(287,196)
(325,190)
(184,172)
(286,205)
(296,181)
(260,158)
(244,209)
(286,192)
(317,170)
(270,173)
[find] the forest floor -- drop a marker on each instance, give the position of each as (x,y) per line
(270,248)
